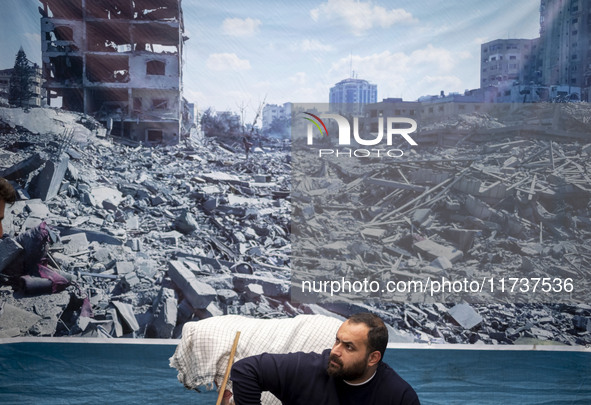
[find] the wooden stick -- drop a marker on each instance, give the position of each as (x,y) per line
(230,361)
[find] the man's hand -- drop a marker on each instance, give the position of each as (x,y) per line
(227,398)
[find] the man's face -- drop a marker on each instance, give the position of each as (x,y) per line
(349,356)
(1,217)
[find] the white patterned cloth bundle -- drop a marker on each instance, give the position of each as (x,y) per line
(202,355)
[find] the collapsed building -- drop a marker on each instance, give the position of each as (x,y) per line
(119,61)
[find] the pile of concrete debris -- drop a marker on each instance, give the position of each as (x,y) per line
(145,238)
(496,205)
(116,240)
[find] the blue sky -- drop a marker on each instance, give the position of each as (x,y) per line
(242,52)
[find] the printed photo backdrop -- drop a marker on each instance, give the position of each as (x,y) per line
(471,228)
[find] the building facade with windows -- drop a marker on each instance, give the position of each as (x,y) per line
(564,35)
(119,61)
(556,65)
(37,91)
(349,95)
(505,61)
(274,111)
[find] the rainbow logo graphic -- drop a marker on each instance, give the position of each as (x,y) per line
(316,123)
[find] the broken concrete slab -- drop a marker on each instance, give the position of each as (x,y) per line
(14,318)
(48,182)
(227,296)
(253,291)
(186,223)
(127,316)
(23,168)
(420,215)
(221,177)
(442,263)
(211,310)
(131,280)
(198,294)
(434,250)
(374,232)
(47,309)
(97,236)
(271,287)
(170,238)
(132,223)
(165,314)
(465,316)
(210,204)
(478,208)
(116,324)
(37,209)
(261,178)
(75,243)
(98,195)
(146,268)
(124,267)
(9,251)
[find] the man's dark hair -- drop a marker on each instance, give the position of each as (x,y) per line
(377,336)
(7,192)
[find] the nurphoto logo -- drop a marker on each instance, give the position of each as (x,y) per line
(391,127)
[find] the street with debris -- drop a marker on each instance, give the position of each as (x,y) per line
(122,240)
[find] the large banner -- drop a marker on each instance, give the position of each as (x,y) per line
(423,160)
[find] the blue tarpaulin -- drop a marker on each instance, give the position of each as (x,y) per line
(110,373)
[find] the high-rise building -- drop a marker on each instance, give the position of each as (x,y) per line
(555,65)
(564,33)
(119,61)
(348,96)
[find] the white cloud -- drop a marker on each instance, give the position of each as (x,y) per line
(237,97)
(263,84)
(312,45)
(480,40)
(238,27)
(436,58)
(429,58)
(362,16)
(226,61)
(440,82)
(194,96)
(313,93)
(464,55)
(300,78)
(409,74)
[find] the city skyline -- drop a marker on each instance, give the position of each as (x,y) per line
(239,54)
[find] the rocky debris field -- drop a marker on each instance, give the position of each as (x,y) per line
(116,240)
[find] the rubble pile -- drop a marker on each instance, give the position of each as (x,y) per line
(147,238)
(117,240)
(486,200)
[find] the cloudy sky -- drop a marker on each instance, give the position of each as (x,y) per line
(242,52)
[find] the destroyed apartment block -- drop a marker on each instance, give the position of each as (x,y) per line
(119,61)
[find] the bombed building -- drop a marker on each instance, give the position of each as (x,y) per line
(119,61)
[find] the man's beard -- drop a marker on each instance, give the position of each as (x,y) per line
(352,372)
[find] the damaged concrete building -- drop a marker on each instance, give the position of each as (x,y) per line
(119,61)
(35,87)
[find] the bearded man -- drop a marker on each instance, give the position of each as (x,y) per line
(352,372)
